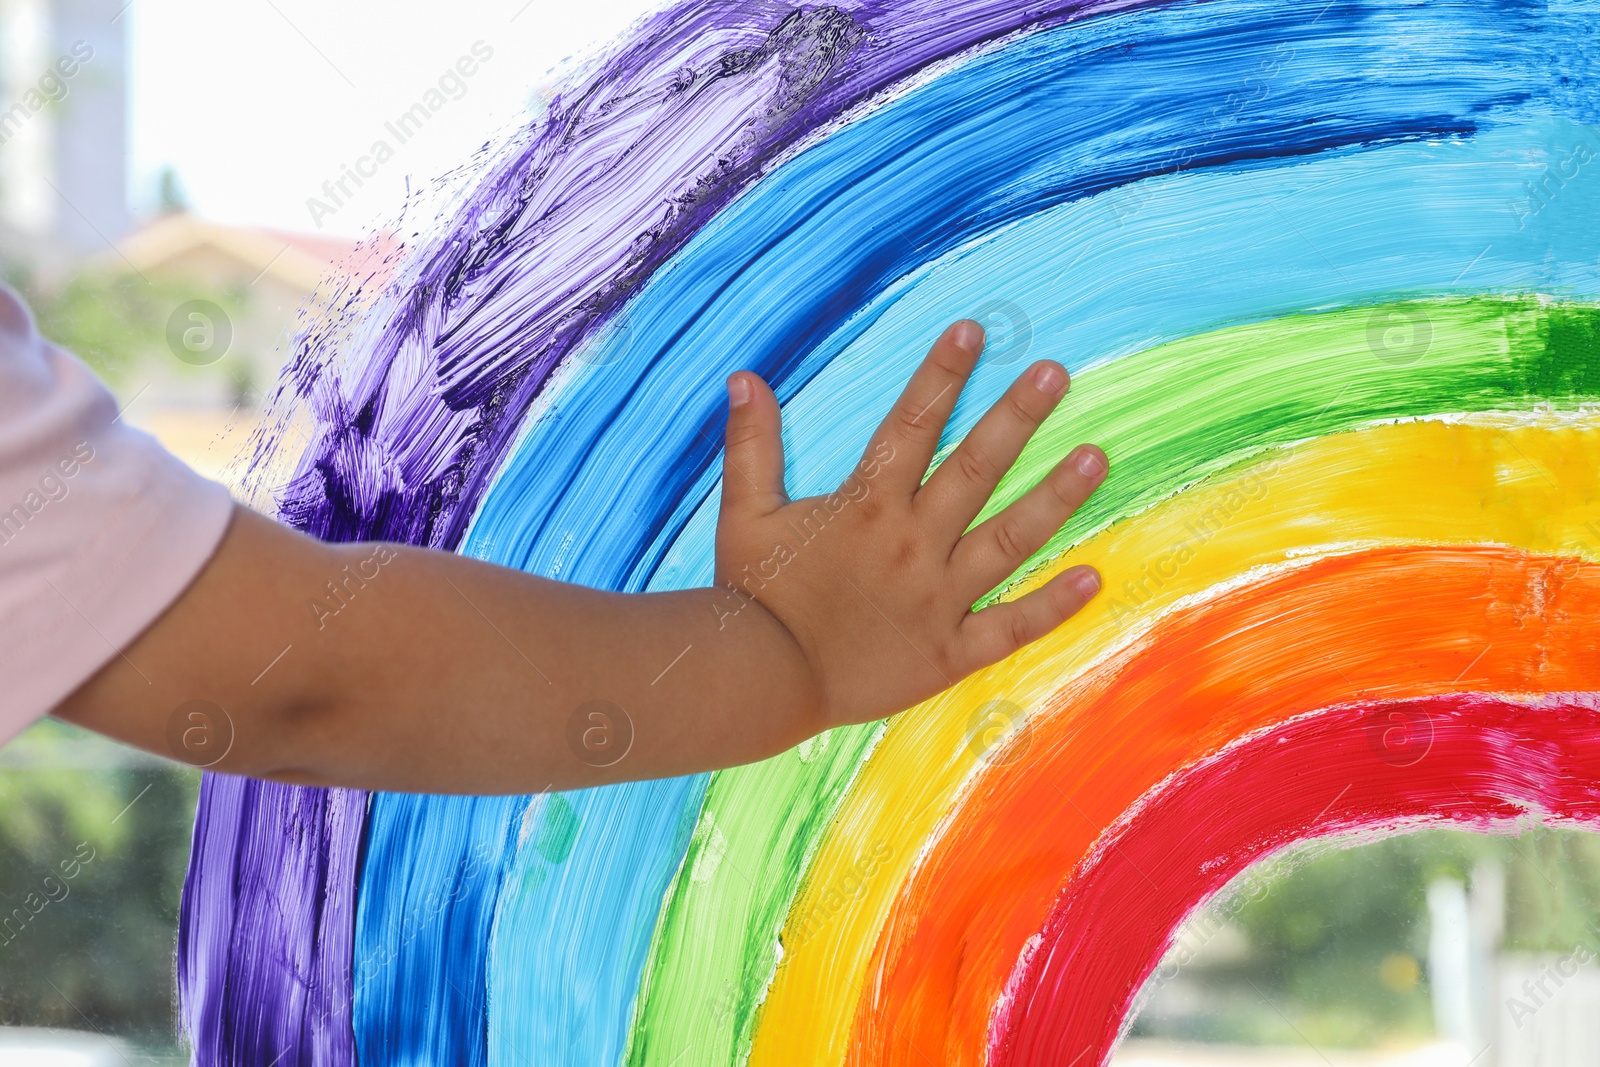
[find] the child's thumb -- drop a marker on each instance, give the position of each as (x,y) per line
(752,470)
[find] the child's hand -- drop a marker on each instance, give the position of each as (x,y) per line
(876,582)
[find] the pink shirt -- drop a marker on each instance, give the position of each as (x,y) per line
(100,528)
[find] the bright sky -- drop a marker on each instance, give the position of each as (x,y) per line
(257,103)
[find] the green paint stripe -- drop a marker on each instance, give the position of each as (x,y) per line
(1172,415)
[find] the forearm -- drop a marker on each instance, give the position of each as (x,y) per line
(518,683)
(393,668)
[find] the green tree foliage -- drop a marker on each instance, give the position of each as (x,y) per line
(114,319)
(1553,883)
(93,847)
(1336,948)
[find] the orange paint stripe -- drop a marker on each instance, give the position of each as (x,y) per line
(1385,624)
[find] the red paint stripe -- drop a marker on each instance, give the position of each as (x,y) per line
(1473,761)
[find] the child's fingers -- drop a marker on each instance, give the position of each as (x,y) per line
(957,491)
(752,469)
(994,633)
(989,554)
(914,424)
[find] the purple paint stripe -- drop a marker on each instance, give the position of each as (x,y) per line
(266,937)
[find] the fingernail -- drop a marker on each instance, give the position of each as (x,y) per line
(738,391)
(1050,379)
(968,335)
(1088,463)
(1088,582)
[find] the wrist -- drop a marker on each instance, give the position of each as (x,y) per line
(780,662)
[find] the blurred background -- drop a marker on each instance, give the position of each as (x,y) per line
(175,178)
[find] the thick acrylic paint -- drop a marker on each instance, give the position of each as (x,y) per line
(1257,232)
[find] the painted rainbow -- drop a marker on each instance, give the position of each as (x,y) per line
(1326,274)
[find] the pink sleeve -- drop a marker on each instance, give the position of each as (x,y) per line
(100,528)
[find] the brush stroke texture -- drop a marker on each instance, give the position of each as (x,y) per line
(424,910)
(413,421)
(1490,765)
(283,947)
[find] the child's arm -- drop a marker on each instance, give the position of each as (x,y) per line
(444,674)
